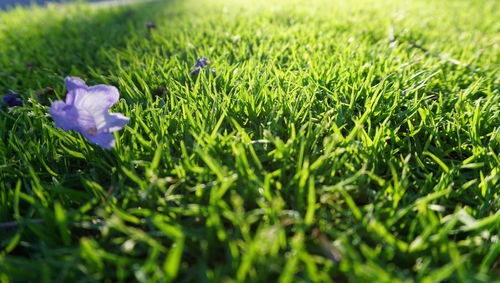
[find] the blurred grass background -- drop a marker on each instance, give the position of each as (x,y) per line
(339,141)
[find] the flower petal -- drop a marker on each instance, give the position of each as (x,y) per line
(74,83)
(113,122)
(105,140)
(70,118)
(75,87)
(73,94)
(65,116)
(201,62)
(195,71)
(97,99)
(86,123)
(12,99)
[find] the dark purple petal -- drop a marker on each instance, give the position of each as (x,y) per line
(195,71)
(201,62)
(12,99)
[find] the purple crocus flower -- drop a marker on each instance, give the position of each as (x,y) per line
(86,111)
(201,63)
(12,99)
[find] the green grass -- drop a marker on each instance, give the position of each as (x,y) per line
(340,141)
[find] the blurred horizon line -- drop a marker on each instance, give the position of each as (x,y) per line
(11,4)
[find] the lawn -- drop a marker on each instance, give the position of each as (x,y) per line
(337,141)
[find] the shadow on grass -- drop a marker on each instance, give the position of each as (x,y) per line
(42,46)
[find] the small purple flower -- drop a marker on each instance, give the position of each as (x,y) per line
(12,99)
(86,111)
(201,63)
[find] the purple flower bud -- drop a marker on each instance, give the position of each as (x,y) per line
(86,111)
(12,99)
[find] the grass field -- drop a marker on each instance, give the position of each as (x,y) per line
(339,141)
